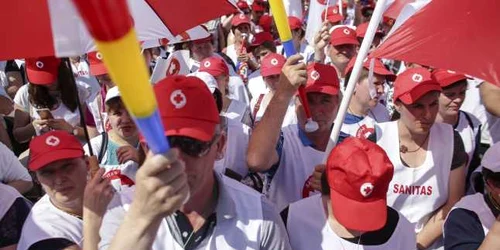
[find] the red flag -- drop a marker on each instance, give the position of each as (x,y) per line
(456,35)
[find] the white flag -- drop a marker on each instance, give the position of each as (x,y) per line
(314,20)
(175,64)
(293,8)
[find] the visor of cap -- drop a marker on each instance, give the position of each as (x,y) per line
(197,129)
(418,91)
(41,160)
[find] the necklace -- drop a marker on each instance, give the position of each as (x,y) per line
(404,149)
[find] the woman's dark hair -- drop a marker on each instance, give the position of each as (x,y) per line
(455,84)
(39,95)
(227,59)
(218,99)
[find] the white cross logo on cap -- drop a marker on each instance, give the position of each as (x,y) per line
(347,32)
(242,16)
(39,64)
(366,189)
(178,99)
(274,61)
(335,11)
(206,64)
(417,78)
(98,55)
(52,141)
(315,75)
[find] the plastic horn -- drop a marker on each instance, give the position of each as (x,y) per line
(110,24)
(358,64)
(281,21)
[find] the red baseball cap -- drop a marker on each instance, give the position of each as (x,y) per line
(53,146)
(359,172)
(272,64)
(260,38)
(413,84)
(332,14)
(239,20)
(187,108)
(242,5)
(265,22)
(215,66)
(294,22)
(322,78)
(343,35)
(42,70)
(258,5)
(446,78)
(97,66)
(379,68)
(362,28)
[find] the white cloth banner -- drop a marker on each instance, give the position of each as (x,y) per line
(175,64)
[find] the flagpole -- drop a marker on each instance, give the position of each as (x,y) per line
(363,51)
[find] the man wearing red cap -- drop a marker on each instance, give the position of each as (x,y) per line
(288,155)
(341,44)
(365,109)
(429,157)
(61,217)
(220,213)
(361,31)
(270,70)
(258,9)
(352,212)
(452,97)
(333,16)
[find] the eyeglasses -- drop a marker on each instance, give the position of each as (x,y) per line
(190,146)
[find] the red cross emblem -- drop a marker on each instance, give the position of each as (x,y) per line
(52,141)
(39,64)
(366,189)
(417,78)
(315,75)
(178,99)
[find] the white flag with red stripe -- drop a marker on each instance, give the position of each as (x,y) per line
(54,27)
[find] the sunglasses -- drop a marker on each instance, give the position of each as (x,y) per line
(190,146)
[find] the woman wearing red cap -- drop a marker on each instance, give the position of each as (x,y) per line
(49,101)
(454,87)
(429,158)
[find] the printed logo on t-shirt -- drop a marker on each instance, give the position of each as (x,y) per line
(364,131)
(117,175)
(412,190)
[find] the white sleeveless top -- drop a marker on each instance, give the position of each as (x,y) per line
(418,192)
(367,126)
(238,134)
(45,221)
(308,228)
(475,203)
(468,134)
(291,180)
(243,231)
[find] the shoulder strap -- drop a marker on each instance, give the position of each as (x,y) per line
(469,120)
(104,146)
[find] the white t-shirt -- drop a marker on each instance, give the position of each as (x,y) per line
(262,100)
(45,221)
(10,167)
(61,112)
(121,175)
(256,84)
(237,90)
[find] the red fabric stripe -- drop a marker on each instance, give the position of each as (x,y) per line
(180,16)
(106,20)
(26,29)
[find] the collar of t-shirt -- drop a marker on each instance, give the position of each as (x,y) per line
(303,138)
(182,230)
(352,119)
